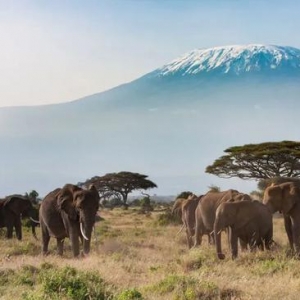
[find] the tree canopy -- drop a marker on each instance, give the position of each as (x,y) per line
(120,185)
(259,161)
(184,194)
(33,196)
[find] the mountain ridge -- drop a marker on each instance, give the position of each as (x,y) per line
(232,59)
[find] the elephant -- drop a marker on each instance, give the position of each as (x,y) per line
(186,209)
(285,198)
(12,209)
(250,221)
(69,211)
(206,210)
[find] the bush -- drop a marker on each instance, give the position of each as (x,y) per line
(135,202)
(131,294)
(65,283)
(146,204)
(184,194)
(167,218)
(183,286)
(188,288)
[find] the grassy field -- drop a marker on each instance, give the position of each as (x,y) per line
(134,257)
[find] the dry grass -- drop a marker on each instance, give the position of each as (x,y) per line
(133,252)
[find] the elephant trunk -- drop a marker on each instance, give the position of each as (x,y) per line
(86,231)
(217,233)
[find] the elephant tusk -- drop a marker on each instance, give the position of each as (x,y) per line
(35,221)
(81,229)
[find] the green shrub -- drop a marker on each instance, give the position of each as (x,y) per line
(130,294)
(167,218)
(172,283)
(52,283)
(269,267)
(27,275)
(5,276)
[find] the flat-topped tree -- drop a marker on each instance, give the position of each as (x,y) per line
(120,185)
(259,161)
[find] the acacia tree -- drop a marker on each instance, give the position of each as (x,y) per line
(184,195)
(120,185)
(259,161)
(33,196)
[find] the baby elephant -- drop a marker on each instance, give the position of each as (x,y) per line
(251,221)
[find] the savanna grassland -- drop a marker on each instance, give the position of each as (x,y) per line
(139,256)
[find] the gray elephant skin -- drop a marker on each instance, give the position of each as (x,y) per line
(250,221)
(186,209)
(12,209)
(69,212)
(207,207)
(285,198)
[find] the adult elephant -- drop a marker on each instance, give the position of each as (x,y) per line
(69,212)
(206,210)
(285,198)
(250,221)
(12,209)
(186,209)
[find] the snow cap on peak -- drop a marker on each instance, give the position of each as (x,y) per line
(233,59)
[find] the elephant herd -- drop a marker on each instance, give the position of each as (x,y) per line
(245,220)
(69,211)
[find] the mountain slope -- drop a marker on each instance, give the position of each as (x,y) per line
(170,123)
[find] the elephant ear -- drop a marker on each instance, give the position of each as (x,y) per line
(65,203)
(95,194)
(290,197)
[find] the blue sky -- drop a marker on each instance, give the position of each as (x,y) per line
(57,51)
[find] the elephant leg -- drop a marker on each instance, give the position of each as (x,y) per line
(18,228)
(189,238)
(261,245)
(45,238)
(269,240)
(296,236)
(198,233)
(244,245)
(234,245)
(288,229)
(228,231)
(9,232)
(60,246)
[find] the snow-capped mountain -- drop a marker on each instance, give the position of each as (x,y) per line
(236,59)
(169,124)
